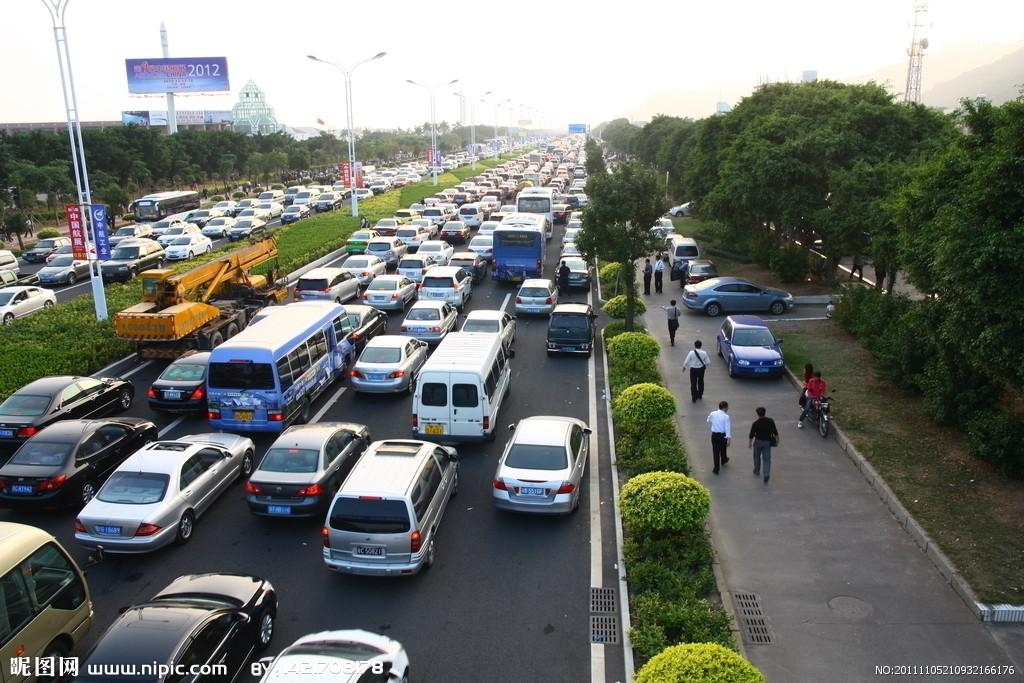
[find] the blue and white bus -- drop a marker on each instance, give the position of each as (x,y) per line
(538,200)
(267,376)
(518,253)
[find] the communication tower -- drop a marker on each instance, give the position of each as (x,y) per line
(918,44)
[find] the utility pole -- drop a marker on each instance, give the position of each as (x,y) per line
(918,44)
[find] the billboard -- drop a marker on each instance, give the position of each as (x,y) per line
(577,128)
(185,117)
(177,74)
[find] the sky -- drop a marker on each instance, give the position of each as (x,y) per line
(547,63)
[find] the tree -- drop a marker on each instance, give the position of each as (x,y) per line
(595,158)
(623,206)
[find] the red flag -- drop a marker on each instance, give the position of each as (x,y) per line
(321,121)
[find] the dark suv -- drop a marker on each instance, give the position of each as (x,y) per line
(130,257)
(571,329)
(43,248)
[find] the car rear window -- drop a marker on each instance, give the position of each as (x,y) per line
(369,515)
(569,322)
(134,488)
(414,263)
(465,396)
(686,251)
(533,457)
(434,394)
(183,372)
(312,284)
(534,292)
(433,281)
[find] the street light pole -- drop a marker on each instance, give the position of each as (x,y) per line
(433,122)
(347,73)
(472,126)
(57,8)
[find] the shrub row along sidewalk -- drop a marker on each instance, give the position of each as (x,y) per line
(680,630)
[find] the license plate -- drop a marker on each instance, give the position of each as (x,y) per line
(419,330)
(375,377)
(6,433)
(437,295)
(108,530)
(279,509)
(369,550)
(244,415)
(760,369)
(172,395)
(434,429)
(531,491)
(21,488)
(568,348)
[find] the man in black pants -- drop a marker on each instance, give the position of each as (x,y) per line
(721,434)
(648,272)
(698,361)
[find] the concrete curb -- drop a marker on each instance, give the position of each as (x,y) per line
(813,299)
(945,567)
(293,276)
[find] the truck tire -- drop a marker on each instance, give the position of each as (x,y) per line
(216,339)
(231,331)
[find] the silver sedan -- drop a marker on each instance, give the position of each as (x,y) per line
(390,292)
(430,321)
(365,267)
(155,496)
(389,364)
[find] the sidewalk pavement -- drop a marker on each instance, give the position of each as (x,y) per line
(814,557)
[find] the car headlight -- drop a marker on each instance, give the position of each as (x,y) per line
(778,362)
(740,361)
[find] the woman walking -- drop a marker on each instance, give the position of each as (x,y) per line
(763,435)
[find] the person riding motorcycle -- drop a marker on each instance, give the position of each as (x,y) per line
(816,388)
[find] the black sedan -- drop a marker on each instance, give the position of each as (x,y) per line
(181,387)
(200,621)
(51,399)
(65,463)
(473,262)
(367,322)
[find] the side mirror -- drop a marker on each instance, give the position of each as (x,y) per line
(778,341)
(511,428)
(452,453)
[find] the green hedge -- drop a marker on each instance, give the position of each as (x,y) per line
(640,406)
(698,663)
(616,307)
(655,503)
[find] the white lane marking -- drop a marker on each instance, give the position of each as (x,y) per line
(136,369)
(597,665)
(504,302)
(103,371)
(171,426)
(330,402)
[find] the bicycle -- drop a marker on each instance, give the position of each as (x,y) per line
(821,412)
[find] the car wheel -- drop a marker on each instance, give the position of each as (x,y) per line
(124,399)
(132,273)
(55,651)
(186,525)
(305,412)
(47,305)
(732,372)
(190,255)
(72,279)
(248,464)
(713,309)
(87,492)
(209,249)
(777,308)
(264,629)
(411,389)
(428,561)
(8,317)
(455,485)
(405,676)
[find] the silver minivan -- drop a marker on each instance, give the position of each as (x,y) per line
(383,521)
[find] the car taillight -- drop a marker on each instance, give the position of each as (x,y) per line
(435,329)
(566,487)
(354,373)
(53,484)
(26,432)
(365,273)
(275,416)
(487,422)
(690,295)
(395,374)
(325,537)
(395,295)
(213,414)
(146,529)
(415,421)
(311,490)
(253,488)
(499,485)
(79,527)
(548,300)
(151,393)
(356,336)
(519,299)
(198,394)
(415,541)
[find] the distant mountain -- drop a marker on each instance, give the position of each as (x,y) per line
(961,70)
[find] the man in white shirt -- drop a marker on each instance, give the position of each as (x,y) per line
(721,434)
(659,273)
(698,361)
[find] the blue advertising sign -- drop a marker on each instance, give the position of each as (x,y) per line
(577,128)
(100,230)
(177,74)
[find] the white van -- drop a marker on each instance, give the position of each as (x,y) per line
(272,196)
(681,248)
(471,214)
(460,389)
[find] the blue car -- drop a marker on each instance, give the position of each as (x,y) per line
(749,348)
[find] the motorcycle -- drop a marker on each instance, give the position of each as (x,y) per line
(822,414)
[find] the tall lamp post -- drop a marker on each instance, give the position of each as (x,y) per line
(433,122)
(472,125)
(347,73)
(57,8)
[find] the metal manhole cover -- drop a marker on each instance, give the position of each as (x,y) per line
(602,600)
(850,607)
(752,619)
(604,629)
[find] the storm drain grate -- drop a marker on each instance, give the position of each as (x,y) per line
(602,600)
(604,629)
(752,619)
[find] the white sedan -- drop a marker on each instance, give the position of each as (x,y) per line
(218,227)
(365,267)
(18,302)
(273,208)
(188,246)
(439,250)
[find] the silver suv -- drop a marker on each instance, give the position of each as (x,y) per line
(383,521)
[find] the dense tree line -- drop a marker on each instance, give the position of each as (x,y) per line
(934,196)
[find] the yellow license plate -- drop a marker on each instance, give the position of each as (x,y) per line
(434,429)
(243,414)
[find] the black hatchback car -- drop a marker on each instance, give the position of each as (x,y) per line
(212,623)
(63,397)
(367,322)
(571,329)
(65,463)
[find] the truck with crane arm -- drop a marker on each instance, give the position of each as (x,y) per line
(200,308)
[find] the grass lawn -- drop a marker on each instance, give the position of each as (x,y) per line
(969,508)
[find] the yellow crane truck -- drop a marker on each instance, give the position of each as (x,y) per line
(200,308)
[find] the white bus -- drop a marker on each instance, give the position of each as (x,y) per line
(460,389)
(540,200)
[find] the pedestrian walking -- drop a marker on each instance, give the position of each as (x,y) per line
(563,279)
(721,434)
(857,267)
(28,226)
(648,271)
(659,274)
(672,312)
(763,435)
(698,361)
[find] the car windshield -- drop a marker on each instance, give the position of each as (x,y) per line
(383,284)
(757,336)
(378,246)
(184,372)
(441,281)
(181,240)
(245,224)
(532,457)
(381,354)
(41,453)
(387,223)
(428,247)
(294,209)
(62,261)
(44,244)
(473,325)
(424,314)
(134,488)
(369,515)
(293,460)
(217,221)
(25,404)
(124,253)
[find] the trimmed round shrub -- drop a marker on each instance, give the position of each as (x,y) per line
(664,502)
(610,274)
(617,327)
(238,195)
(643,403)
(47,234)
(217,198)
(633,349)
(698,663)
(616,307)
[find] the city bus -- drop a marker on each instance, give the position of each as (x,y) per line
(518,253)
(267,376)
(158,206)
(540,200)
